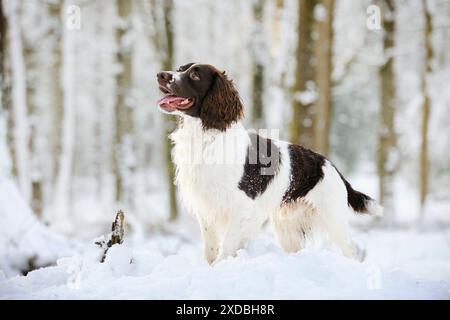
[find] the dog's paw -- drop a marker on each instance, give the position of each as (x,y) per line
(210,254)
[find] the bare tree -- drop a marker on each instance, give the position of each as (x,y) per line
(4,92)
(387,136)
(5,88)
(21,130)
(2,44)
(124,111)
(426,106)
(44,96)
(324,55)
(55,88)
(32,112)
(258,63)
(168,65)
(65,167)
(276,22)
(302,103)
(163,40)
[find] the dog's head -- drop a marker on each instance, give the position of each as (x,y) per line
(201,91)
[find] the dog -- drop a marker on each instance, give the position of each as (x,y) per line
(234,180)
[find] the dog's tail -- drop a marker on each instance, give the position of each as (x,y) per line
(360,202)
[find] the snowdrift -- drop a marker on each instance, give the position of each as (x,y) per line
(23,239)
(262,271)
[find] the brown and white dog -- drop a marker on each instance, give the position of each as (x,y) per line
(234,180)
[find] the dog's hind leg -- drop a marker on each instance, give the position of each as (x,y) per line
(334,221)
(339,234)
(291,226)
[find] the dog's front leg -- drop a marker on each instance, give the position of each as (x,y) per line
(232,239)
(210,240)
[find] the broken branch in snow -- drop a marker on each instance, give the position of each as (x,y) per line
(116,235)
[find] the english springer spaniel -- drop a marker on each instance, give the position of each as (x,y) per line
(234,180)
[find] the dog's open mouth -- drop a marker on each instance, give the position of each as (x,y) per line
(171,102)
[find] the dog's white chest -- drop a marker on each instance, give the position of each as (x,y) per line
(209,165)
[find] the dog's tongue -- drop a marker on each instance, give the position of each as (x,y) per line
(172,101)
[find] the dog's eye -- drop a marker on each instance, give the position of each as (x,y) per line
(194,75)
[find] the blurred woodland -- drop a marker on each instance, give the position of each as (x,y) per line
(364,82)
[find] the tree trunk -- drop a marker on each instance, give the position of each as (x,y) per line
(387,137)
(163,41)
(425,108)
(21,129)
(65,168)
(35,153)
(3,82)
(5,88)
(55,91)
(167,64)
(258,63)
(5,85)
(124,112)
(48,130)
(324,68)
(303,89)
(276,25)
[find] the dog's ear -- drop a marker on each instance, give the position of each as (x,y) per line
(221,105)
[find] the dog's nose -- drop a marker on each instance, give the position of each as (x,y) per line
(164,76)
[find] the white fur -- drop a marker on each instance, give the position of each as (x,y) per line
(176,76)
(374,208)
(228,218)
(323,209)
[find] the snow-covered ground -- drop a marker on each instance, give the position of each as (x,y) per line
(400,263)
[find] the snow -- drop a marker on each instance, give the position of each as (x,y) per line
(262,271)
(23,237)
(306,97)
